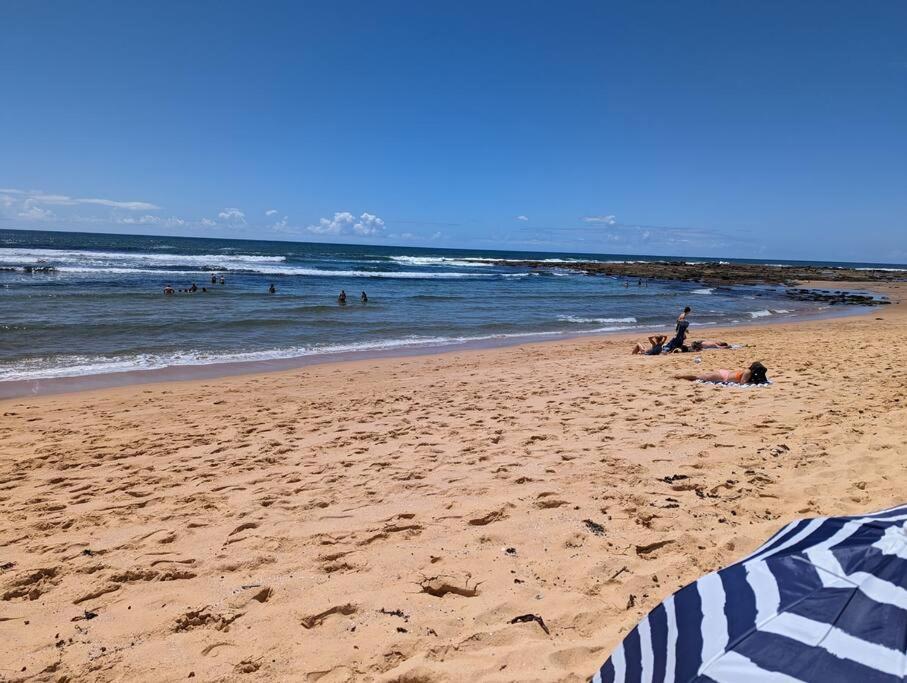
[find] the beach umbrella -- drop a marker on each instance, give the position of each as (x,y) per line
(823,600)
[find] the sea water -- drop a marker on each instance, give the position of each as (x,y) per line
(78,304)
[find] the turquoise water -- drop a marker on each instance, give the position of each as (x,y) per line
(98,305)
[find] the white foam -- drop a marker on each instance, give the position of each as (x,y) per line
(290,270)
(760,314)
(81,365)
(575,319)
(441,261)
(125,259)
(705,290)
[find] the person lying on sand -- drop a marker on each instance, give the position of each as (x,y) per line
(709,344)
(657,343)
(754,375)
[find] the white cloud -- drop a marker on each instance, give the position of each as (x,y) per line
(368,224)
(131,206)
(522,218)
(32,212)
(345,223)
(233,215)
(207,222)
(38,197)
(437,235)
(171,222)
(271,212)
(607,220)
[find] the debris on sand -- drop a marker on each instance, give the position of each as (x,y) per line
(523,618)
(594,527)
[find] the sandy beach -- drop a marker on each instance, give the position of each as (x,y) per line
(389,519)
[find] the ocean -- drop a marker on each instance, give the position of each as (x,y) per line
(82,304)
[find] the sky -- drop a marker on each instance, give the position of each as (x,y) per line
(759,130)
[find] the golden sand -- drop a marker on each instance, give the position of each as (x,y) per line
(388,519)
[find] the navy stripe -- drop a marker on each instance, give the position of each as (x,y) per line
(607,672)
(740,604)
(633,657)
(812,664)
(822,533)
(858,616)
(792,530)
(688,655)
(871,560)
(795,577)
(658,627)
(891,512)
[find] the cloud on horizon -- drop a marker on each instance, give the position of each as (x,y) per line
(345,223)
(233,216)
(38,198)
(610,219)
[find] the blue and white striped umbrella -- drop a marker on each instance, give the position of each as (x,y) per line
(823,600)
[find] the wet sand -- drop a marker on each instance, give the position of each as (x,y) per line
(387,519)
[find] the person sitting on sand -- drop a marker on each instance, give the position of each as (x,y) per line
(342,298)
(657,341)
(699,345)
(754,375)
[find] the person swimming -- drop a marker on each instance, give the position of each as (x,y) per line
(222,280)
(363,297)
(168,290)
(193,288)
(657,342)
(214,279)
(272,289)
(341,299)
(755,374)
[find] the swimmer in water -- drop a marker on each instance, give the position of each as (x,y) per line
(363,297)
(272,289)
(342,298)
(222,280)
(168,290)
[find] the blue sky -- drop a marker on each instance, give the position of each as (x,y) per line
(768,129)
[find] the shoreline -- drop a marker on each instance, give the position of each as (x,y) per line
(11,389)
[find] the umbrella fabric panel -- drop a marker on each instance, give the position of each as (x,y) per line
(823,600)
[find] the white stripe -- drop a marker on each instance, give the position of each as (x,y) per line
(783,530)
(619,664)
(836,642)
(871,586)
(670,658)
(765,590)
(735,668)
(714,621)
(817,522)
(893,542)
(796,538)
(597,678)
(645,647)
